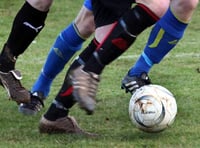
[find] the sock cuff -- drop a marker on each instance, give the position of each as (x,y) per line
(172,25)
(71,38)
(34,14)
(77,31)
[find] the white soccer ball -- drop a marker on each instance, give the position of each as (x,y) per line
(152,108)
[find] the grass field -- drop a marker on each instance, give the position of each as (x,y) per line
(177,72)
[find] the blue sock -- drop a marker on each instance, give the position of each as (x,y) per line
(65,46)
(164,36)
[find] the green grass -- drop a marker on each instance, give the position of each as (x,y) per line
(177,72)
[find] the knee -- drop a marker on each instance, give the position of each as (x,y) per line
(188,4)
(86,27)
(85,22)
(183,9)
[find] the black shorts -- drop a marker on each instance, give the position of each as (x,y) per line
(108,11)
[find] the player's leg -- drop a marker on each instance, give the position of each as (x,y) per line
(67,43)
(64,99)
(56,119)
(122,35)
(27,24)
(164,37)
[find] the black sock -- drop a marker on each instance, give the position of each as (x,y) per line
(54,113)
(121,37)
(94,65)
(87,57)
(84,55)
(7,60)
(26,26)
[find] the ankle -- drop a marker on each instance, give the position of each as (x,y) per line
(7,59)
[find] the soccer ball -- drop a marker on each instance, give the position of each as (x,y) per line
(152,108)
